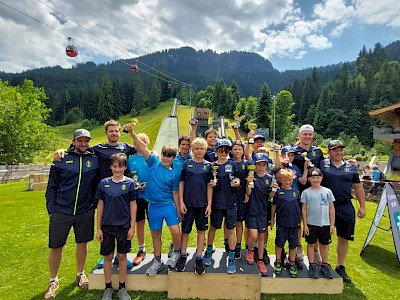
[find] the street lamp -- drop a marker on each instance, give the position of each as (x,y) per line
(273,118)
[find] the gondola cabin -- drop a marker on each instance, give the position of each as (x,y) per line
(169,86)
(134,68)
(71,50)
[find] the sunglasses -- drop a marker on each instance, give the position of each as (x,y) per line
(223,150)
(166,154)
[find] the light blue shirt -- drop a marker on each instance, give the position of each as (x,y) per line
(318,202)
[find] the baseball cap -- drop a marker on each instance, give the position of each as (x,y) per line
(259,137)
(306,127)
(81,133)
(287,149)
(335,144)
(314,172)
(262,157)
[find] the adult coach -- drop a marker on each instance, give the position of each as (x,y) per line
(70,202)
(341,177)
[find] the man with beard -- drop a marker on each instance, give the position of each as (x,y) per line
(70,202)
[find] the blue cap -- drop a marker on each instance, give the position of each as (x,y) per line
(287,149)
(262,157)
(259,137)
(223,143)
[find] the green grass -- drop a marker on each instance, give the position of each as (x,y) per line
(24,268)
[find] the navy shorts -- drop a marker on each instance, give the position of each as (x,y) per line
(345,221)
(259,222)
(60,225)
(141,210)
(241,211)
(112,234)
(284,234)
(322,234)
(194,214)
(217,216)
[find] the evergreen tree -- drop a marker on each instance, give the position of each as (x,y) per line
(251,106)
(155,94)
(138,102)
(107,105)
(283,115)
(264,106)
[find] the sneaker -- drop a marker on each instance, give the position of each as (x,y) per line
(261,267)
(238,252)
(231,269)
(312,272)
(107,295)
(82,281)
(207,258)
(156,267)
(250,257)
(266,259)
(299,253)
(293,271)
(299,264)
(171,249)
(173,260)
(342,272)
(180,265)
(199,268)
(278,268)
(139,258)
(123,294)
(326,272)
(317,257)
(50,293)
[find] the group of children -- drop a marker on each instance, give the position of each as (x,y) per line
(216,188)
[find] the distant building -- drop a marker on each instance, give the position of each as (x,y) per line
(202,115)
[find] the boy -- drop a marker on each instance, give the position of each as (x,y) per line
(211,136)
(193,202)
(288,214)
(220,194)
(116,217)
(319,221)
(139,171)
(257,219)
(163,198)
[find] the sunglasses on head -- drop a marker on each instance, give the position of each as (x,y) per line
(336,144)
(166,154)
(223,150)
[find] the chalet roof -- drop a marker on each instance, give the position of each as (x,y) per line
(389,113)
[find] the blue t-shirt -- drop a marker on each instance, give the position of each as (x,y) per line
(161,182)
(288,212)
(258,201)
(104,152)
(242,175)
(178,162)
(223,193)
(318,202)
(196,177)
(210,155)
(376,175)
(116,197)
(297,175)
(137,163)
(339,180)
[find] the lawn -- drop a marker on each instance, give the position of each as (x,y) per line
(23,255)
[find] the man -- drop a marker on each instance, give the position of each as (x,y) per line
(70,202)
(314,156)
(341,177)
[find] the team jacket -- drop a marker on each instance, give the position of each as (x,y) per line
(72,183)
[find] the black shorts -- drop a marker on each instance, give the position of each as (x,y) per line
(284,234)
(242,211)
(259,222)
(112,233)
(194,214)
(141,210)
(345,221)
(322,234)
(60,225)
(217,215)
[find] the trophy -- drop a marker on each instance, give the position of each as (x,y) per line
(214,173)
(274,189)
(251,168)
(236,123)
(252,127)
(193,121)
(134,122)
(304,155)
(135,177)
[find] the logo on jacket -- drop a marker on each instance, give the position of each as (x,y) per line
(88,164)
(123,187)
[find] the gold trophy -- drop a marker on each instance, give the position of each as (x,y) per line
(134,122)
(214,173)
(304,155)
(135,177)
(251,168)
(236,123)
(252,127)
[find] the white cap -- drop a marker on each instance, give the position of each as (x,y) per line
(306,127)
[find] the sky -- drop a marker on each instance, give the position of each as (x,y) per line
(292,34)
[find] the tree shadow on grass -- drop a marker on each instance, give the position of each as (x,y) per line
(382,259)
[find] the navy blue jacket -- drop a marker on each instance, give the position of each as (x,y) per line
(72,183)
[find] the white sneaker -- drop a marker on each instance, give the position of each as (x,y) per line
(299,253)
(172,261)
(156,267)
(50,293)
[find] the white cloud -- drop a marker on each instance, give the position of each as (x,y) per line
(385,12)
(318,42)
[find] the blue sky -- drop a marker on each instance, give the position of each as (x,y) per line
(291,34)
